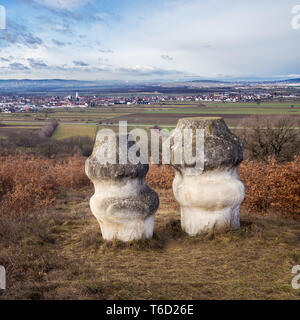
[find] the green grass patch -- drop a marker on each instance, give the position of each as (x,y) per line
(71,130)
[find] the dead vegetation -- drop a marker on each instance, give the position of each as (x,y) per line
(59,254)
(270,186)
(270,136)
(31,183)
(51,246)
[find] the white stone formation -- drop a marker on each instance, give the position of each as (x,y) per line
(122,203)
(209,195)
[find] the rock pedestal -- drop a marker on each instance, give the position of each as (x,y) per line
(210,196)
(123,203)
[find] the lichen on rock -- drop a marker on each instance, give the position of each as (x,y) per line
(211,197)
(122,203)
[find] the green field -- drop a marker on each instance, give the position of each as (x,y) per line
(78,121)
(70,130)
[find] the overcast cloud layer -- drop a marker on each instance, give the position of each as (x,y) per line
(149,39)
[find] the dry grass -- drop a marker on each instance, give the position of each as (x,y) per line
(59,254)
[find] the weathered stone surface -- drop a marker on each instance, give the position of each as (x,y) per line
(211,197)
(123,203)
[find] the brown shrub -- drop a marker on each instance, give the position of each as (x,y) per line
(269,186)
(272,186)
(160,176)
(31,183)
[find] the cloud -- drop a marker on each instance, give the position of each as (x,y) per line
(237,40)
(99,16)
(4,59)
(18,66)
(64,28)
(166,57)
(105,51)
(80,64)
(66,11)
(149,71)
(61,44)
(44,19)
(37,64)
(287,76)
(68,5)
(18,34)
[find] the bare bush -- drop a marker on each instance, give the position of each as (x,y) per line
(270,136)
(48,129)
(33,143)
(26,139)
(81,146)
(32,183)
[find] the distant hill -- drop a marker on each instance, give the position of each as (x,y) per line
(15,86)
(196,84)
(291,81)
(53,83)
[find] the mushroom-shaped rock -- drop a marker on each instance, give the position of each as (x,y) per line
(207,185)
(122,203)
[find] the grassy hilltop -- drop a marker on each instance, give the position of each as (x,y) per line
(52,248)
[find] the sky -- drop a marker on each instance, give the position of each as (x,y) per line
(150,39)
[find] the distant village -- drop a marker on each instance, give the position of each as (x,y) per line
(35,103)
